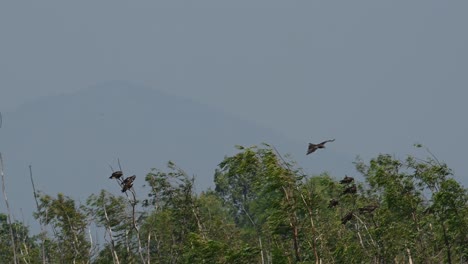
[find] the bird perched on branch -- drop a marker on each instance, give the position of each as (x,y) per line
(116,175)
(314,147)
(347,217)
(368,208)
(128,183)
(129,179)
(347,180)
(333,203)
(127,186)
(351,189)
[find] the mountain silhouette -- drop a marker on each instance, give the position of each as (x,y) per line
(72,140)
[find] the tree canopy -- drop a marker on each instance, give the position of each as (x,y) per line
(263,209)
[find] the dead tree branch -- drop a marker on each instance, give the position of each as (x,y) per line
(13,244)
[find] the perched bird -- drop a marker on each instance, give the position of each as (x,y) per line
(314,147)
(127,186)
(351,189)
(368,208)
(333,203)
(128,183)
(347,217)
(347,180)
(116,175)
(129,179)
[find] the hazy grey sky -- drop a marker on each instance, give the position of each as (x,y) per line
(377,75)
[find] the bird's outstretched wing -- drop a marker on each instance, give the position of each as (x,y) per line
(311,148)
(326,141)
(314,147)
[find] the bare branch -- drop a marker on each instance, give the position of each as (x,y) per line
(135,226)
(13,244)
(109,230)
(118,162)
(40,219)
(258,234)
(286,166)
(433,156)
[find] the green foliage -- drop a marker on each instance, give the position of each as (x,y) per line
(26,245)
(174,216)
(263,209)
(69,225)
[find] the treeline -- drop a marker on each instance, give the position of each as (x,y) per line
(264,209)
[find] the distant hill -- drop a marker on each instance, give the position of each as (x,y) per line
(70,140)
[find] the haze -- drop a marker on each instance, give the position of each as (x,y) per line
(378,76)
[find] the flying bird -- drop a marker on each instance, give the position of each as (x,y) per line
(116,175)
(314,147)
(333,203)
(347,217)
(351,189)
(347,180)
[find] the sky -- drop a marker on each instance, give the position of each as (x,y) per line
(378,76)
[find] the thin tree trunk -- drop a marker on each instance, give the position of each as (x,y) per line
(109,230)
(91,245)
(410,259)
(13,244)
(133,203)
(309,211)
(447,244)
(40,220)
(258,234)
(287,167)
(293,223)
(199,224)
(148,248)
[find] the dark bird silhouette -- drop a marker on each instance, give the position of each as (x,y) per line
(127,186)
(129,179)
(314,147)
(116,175)
(347,180)
(128,183)
(351,189)
(333,203)
(347,217)
(368,208)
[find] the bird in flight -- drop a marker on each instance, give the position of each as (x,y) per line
(314,147)
(116,175)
